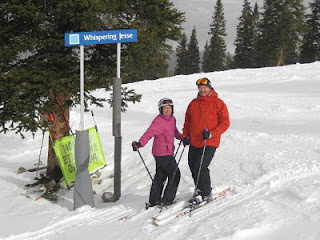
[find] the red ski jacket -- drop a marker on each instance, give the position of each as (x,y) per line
(206,112)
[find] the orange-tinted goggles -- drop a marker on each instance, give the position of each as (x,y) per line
(202,81)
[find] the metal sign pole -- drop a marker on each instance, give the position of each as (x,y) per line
(82,87)
(118,59)
(117,128)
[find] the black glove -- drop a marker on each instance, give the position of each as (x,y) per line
(186,141)
(135,145)
(206,134)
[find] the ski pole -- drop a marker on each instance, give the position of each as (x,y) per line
(178,162)
(175,171)
(201,161)
(94,121)
(174,174)
(145,165)
(39,161)
(177,149)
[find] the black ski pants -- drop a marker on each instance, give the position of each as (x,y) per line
(194,159)
(165,169)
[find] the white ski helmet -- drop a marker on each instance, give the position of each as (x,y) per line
(164,102)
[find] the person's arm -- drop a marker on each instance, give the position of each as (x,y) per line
(185,129)
(223,120)
(177,134)
(153,130)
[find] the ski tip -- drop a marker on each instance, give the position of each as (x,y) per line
(123,218)
(38,198)
(229,190)
(155,223)
(180,214)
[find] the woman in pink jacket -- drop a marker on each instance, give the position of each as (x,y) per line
(163,129)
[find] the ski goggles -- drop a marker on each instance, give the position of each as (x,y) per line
(203,81)
(166,102)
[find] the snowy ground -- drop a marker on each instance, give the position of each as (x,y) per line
(269,157)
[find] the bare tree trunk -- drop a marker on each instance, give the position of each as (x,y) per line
(59,130)
(280,60)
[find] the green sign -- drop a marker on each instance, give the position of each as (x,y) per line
(65,152)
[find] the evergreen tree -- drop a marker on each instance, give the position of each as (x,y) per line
(206,58)
(157,22)
(42,74)
(310,50)
(193,53)
(256,19)
(244,42)
(281,27)
(269,44)
(182,56)
(217,53)
(39,74)
(293,27)
(229,61)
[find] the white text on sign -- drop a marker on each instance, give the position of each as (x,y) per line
(125,36)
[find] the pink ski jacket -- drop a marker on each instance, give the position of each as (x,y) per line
(163,129)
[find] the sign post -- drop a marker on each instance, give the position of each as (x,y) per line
(105,37)
(81,88)
(118,59)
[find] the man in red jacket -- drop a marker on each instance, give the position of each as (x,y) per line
(206,119)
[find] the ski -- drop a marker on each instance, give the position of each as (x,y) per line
(150,210)
(160,220)
(190,208)
(167,211)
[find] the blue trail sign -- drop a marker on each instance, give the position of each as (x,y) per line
(100,37)
(79,39)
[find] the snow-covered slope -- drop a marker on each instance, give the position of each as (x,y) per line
(269,157)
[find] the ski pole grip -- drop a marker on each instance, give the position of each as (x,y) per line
(206,129)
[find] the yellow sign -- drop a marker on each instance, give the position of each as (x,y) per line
(65,152)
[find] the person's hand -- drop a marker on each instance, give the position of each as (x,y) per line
(206,134)
(135,145)
(186,141)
